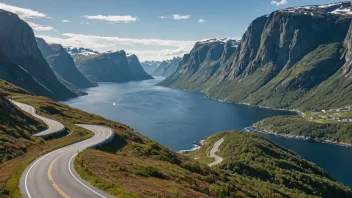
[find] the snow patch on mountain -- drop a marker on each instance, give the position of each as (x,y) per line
(341,8)
(81,51)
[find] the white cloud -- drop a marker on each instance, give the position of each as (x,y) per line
(114,19)
(145,49)
(40,28)
(281,2)
(201,21)
(176,17)
(84,23)
(66,21)
(175,52)
(23,13)
(179,17)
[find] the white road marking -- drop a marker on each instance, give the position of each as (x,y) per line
(25,180)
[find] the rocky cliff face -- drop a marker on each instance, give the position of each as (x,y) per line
(204,60)
(282,57)
(22,62)
(136,68)
(63,65)
(112,67)
(167,67)
(347,69)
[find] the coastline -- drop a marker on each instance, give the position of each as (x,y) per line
(232,102)
(253,129)
(196,145)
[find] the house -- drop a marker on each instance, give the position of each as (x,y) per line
(344,109)
(315,111)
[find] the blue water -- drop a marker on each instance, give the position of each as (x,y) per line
(176,119)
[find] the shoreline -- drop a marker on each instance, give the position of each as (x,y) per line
(196,145)
(269,132)
(256,130)
(238,103)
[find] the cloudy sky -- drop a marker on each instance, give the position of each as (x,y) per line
(151,29)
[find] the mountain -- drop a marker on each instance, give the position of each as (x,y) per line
(112,67)
(284,60)
(167,67)
(204,60)
(136,68)
(80,50)
(149,66)
(63,65)
(22,63)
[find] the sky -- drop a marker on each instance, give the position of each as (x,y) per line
(151,29)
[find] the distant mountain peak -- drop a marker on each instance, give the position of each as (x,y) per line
(82,51)
(222,40)
(340,8)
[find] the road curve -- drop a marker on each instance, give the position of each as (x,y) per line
(53,174)
(213,151)
(54,126)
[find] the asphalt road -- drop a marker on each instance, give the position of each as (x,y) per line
(53,175)
(213,151)
(54,126)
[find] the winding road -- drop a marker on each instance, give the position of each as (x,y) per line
(54,126)
(213,151)
(53,175)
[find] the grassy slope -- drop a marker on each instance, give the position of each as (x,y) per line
(143,161)
(296,126)
(15,137)
(15,140)
(270,169)
(133,165)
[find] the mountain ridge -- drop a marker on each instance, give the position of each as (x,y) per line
(22,61)
(63,65)
(273,46)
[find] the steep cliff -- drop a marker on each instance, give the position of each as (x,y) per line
(167,67)
(281,59)
(337,90)
(196,68)
(112,67)
(136,68)
(63,65)
(21,61)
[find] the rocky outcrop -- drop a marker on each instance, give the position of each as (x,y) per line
(22,62)
(347,68)
(167,67)
(112,67)
(281,59)
(63,65)
(136,68)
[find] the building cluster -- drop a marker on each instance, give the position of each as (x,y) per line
(330,114)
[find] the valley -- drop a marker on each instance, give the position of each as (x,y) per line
(127,99)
